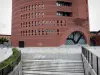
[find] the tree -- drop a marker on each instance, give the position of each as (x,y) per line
(2,40)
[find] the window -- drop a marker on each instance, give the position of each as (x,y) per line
(57,31)
(35,32)
(35,13)
(61,13)
(29,15)
(26,16)
(26,31)
(26,8)
(57,21)
(39,32)
(38,13)
(21,33)
(42,32)
(32,32)
(29,24)
(29,7)
(61,21)
(21,17)
(46,22)
(62,3)
(32,22)
(42,13)
(42,6)
(50,21)
(32,7)
(35,6)
(29,31)
(39,5)
(21,23)
(32,15)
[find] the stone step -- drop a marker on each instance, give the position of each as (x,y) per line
(44,63)
(62,49)
(49,73)
(40,66)
(68,71)
(60,60)
(51,56)
(51,62)
(73,67)
(57,70)
(51,67)
(58,74)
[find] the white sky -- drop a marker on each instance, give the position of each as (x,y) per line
(5,15)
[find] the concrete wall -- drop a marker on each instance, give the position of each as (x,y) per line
(17,70)
(87,67)
(5,53)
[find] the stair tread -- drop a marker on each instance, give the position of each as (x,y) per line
(60,60)
(55,73)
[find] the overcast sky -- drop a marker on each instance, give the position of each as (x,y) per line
(5,15)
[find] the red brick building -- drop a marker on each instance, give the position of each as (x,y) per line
(97,39)
(95,36)
(49,22)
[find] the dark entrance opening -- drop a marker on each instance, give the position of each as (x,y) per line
(21,44)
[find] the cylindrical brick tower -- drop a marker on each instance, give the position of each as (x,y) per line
(49,22)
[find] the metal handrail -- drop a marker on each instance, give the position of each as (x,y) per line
(92,59)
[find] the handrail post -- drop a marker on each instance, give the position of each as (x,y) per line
(97,67)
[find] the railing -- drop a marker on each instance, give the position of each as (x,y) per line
(92,59)
(9,68)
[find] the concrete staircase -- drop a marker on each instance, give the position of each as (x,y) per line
(52,63)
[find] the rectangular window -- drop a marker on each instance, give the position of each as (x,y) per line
(61,13)
(63,3)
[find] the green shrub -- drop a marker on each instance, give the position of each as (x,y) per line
(2,40)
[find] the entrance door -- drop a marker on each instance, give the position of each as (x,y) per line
(21,44)
(75,38)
